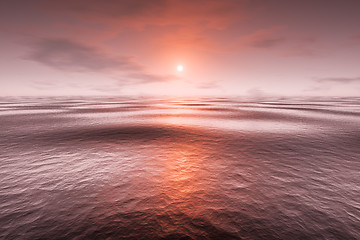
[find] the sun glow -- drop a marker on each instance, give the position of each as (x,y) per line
(180,68)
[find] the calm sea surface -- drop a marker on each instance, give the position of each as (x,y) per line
(121,168)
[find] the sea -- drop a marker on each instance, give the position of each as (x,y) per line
(171,168)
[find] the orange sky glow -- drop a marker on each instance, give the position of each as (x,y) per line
(226,48)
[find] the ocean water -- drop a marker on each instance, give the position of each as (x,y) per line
(126,168)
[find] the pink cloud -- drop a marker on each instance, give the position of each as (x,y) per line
(68,55)
(263,38)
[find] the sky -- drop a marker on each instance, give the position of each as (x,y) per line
(133,47)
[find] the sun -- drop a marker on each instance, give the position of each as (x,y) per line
(180,68)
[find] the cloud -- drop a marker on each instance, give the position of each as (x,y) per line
(326,84)
(263,38)
(144,77)
(107,8)
(68,55)
(140,13)
(338,80)
(256,92)
(302,51)
(207,85)
(266,41)
(355,38)
(321,88)
(178,23)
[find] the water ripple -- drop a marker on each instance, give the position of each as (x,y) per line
(179,169)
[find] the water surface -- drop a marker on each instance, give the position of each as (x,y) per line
(122,168)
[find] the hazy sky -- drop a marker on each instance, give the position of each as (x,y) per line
(227,47)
